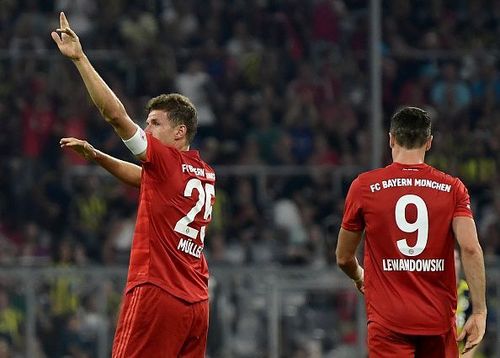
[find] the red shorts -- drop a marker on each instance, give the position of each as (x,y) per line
(154,323)
(383,342)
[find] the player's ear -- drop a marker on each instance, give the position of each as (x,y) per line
(428,144)
(391,140)
(180,131)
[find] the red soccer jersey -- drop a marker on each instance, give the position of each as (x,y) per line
(177,194)
(407,212)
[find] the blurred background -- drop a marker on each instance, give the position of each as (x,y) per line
(294,99)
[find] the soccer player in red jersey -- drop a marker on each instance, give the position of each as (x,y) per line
(411,215)
(165,308)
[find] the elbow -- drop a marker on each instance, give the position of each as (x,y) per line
(472,250)
(342,264)
(114,116)
(133,182)
(343,260)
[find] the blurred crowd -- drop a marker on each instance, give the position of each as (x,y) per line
(276,83)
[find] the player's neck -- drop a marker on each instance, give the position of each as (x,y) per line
(181,146)
(408,156)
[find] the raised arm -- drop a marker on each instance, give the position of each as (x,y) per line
(129,173)
(105,100)
(465,232)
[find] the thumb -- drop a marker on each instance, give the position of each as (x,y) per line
(461,336)
(71,33)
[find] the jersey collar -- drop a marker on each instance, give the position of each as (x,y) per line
(419,166)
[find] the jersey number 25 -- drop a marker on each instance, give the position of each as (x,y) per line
(205,195)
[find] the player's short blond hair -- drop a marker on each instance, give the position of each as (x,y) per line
(180,110)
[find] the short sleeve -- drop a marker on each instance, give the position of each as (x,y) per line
(353,214)
(462,201)
(160,158)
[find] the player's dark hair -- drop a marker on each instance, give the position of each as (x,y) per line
(180,111)
(411,127)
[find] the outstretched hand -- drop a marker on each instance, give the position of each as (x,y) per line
(67,40)
(473,331)
(82,147)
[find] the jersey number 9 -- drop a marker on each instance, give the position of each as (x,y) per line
(421,224)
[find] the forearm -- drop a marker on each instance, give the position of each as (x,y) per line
(352,268)
(104,98)
(473,265)
(345,253)
(129,173)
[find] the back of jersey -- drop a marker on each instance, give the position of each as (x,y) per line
(407,213)
(177,194)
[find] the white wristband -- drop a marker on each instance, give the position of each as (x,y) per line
(138,143)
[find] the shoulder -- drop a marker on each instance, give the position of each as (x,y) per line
(210,170)
(193,155)
(371,175)
(157,145)
(161,160)
(363,181)
(373,172)
(192,162)
(160,150)
(443,177)
(206,165)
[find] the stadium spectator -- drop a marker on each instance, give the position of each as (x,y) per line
(450,94)
(11,320)
(195,84)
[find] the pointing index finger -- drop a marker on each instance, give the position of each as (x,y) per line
(63,22)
